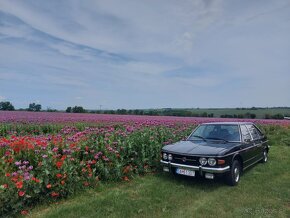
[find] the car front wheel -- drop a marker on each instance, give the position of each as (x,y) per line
(233,177)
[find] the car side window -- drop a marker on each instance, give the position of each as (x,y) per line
(245,133)
(254,132)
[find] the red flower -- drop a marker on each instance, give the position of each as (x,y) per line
(59,164)
(58,175)
(21,193)
(125,178)
(54,194)
(62,182)
(5,185)
(86,184)
(14,179)
(35,180)
(63,157)
(7,174)
(24,212)
(127,169)
(48,186)
(19,184)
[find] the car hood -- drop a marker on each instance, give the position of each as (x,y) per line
(210,148)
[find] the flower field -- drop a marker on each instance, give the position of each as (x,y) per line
(48,156)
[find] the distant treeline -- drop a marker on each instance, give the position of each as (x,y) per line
(186,113)
(220,112)
(172,112)
(246,115)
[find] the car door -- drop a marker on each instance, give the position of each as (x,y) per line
(248,149)
(258,141)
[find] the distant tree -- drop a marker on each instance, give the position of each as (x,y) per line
(34,107)
(253,116)
(6,106)
(51,110)
(121,111)
(210,115)
(240,115)
(112,112)
(78,109)
(68,110)
(277,116)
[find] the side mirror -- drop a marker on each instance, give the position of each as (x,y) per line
(247,140)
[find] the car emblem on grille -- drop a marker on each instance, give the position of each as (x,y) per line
(184,159)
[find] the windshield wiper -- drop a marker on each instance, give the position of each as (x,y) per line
(220,139)
(200,137)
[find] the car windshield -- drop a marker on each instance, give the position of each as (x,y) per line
(225,132)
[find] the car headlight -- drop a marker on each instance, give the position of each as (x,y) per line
(170,157)
(164,156)
(211,161)
(203,161)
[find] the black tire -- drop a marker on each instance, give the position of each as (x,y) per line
(265,157)
(233,176)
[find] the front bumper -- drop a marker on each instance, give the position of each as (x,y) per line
(200,169)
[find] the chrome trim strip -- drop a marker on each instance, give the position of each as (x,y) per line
(203,169)
(185,166)
(253,163)
(215,170)
(251,159)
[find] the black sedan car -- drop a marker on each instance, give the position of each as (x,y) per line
(222,148)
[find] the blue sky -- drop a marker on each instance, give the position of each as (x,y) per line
(145,54)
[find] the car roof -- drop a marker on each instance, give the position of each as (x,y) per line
(227,123)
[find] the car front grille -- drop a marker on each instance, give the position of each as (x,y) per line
(186,160)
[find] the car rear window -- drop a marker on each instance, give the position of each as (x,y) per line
(254,132)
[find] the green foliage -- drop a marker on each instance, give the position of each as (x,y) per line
(34,107)
(75,157)
(51,110)
(80,155)
(250,113)
(262,192)
(6,106)
(278,116)
(75,109)
(78,109)
(246,115)
(68,110)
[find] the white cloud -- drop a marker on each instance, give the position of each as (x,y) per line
(121,51)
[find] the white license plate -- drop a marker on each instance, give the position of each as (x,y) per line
(185,172)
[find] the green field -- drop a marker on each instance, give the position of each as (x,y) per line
(260,112)
(262,192)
